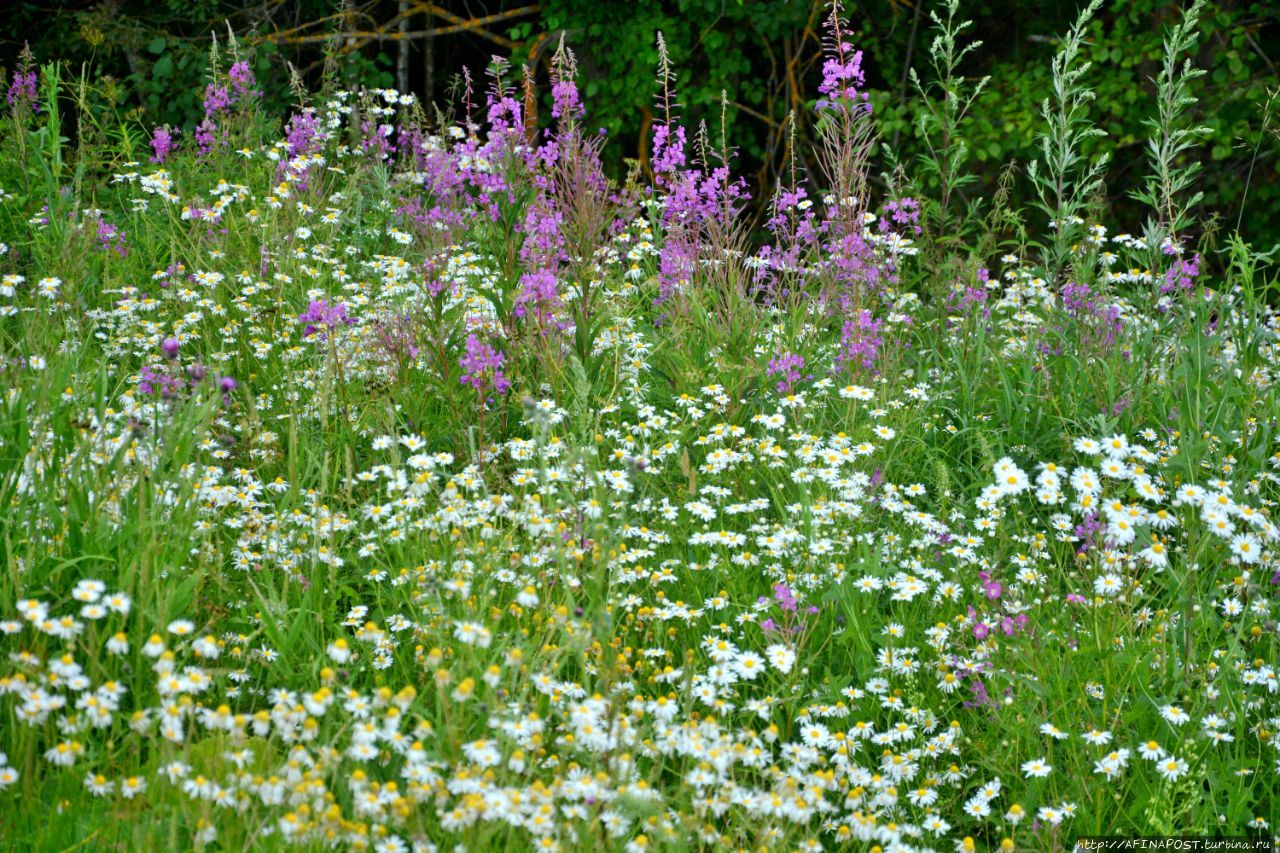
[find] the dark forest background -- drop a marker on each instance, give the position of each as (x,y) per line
(149,59)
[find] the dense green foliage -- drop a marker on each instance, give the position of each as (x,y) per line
(763,55)
(374,477)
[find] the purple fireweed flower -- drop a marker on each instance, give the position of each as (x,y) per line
(303,132)
(786,600)
(1100,321)
(842,76)
(980,696)
(321,315)
(668,149)
(22,94)
(162,144)
(860,342)
(242,81)
(482,367)
(216,99)
(788,366)
(23,87)
(206,136)
(1181,276)
(1087,531)
(376,138)
(565,101)
(904,212)
(543,252)
(154,381)
(1011,625)
(112,238)
(701,201)
(974,296)
(22,91)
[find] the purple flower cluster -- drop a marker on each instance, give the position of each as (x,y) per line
(22,88)
(701,205)
(168,381)
(111,238)
(206,136)
(22,91)
(974,296)
(1087,531)
(787,365)
(1008,625)
(303,133)
(860,342)
(1100,323)
(565,101)
(376,138)
(782,264)
(482,367)
(842,75)
(793,621)
(219,98)
(904,213)
(322,317)
(542,252)
(242,81)
(1181,276)
(702,199)
(156,381)
(162,144)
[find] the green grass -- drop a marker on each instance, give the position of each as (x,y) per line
(370,607)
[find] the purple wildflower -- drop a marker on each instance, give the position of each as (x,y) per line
(22,91)
(162,144)
(321,315)
(788,366)
(482,367)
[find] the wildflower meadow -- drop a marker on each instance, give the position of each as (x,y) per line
(389,475)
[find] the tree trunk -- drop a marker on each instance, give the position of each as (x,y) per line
(402,57)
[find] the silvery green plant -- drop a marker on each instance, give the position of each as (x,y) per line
(939,125)
(1064,177)
(1167,189)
